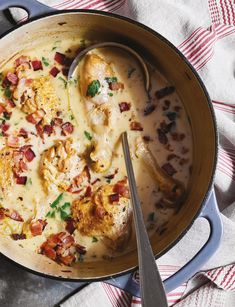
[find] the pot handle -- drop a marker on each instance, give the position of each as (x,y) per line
(33,7)
(211,213)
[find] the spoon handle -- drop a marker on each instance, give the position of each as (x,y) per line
(151,286)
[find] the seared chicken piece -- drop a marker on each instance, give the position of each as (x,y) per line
(60,164)
(6,170)
(101,112)
(38,94)
(107,214)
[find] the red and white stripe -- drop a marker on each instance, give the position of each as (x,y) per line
(117,297)
(226,162)
(223,277)
(224,107)
(222,11)
(213,8)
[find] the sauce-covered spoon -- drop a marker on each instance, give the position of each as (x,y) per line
(152,289)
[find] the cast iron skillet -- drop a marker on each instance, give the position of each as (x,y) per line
(200,202)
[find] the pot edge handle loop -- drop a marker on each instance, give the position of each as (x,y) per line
(211,213)
(33,7)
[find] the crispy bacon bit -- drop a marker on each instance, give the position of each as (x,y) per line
(54,71)
(22,168)
(67,129)
(121,188)
(149,109)
(165,91)
(23,133)
(70,225)
(48,129)
(169,169)
(13,141)
(57,247)
(29,155)
(177,136)
(37,227)
(162,137)
(60,58)
(10,103)
(166,105)
(7,115)
(35,117)
(114,198)
(88,191)
(115,86)
(57,121)
(2,109)
(2,214)
(21,180)
(80,249)
(6,83)
(14,215)
(65,71)
(124,106)
(21,60)
(12,78)
(40,130)
(28,82)
(37,65)
(4,127)
(16,236)
(136,126)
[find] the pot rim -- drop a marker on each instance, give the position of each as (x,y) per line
(212,112)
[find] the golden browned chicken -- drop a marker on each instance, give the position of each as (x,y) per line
(106,213)
(97,80)
(6,170)
(60,165)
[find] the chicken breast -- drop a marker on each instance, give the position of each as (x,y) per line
(101,111)
(60,165)
(106,213)
(6,170)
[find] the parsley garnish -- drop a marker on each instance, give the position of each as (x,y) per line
(45,61)
(64,81)
(7,92)
(130,72)
(64,210)
(71,117)
(29,181)
(110,94)
(93,88)
(88,135)
(94,239)
(1,134)
(56,43)
(111,79)
(56,202)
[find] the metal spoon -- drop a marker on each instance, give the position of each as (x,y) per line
(151,286)
(111,44)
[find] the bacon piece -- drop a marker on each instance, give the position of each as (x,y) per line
(121,188)
(67,260)
(14,215)
(67,240)
(114,198)
(22,168)
(147,138)
(115,86)
(124,106)
(70,225)
(2,214)
(60,58)
(21,180)
(23,133)
(7,115)
(10,103)
(4,127)
(29,155)
(40,130)
(35,117)
(67,128)
(49,252)
(37,65)
(169,169)
(65,71)
(48,129)
(12,78)
(21,60)
(2,109)
(57,121)
(37,227)
(136,126)
(16,236)
(54,71)
(88,192)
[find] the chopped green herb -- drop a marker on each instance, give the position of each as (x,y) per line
(151,217)
(45,61)
(93,88)
(64,81)
(56,43)
(1,198)
(94,239)
(16,124)
(8,92)
(51,214)
(110,94)
(66,205)
(1,134)
(88,135)
(130,72)
(56,202)
(20,245)
(6,115)
(71,117)
(72,81)
(171,115)
(83,42)
(29,181)
(111,79)
(64,214)
(108,180)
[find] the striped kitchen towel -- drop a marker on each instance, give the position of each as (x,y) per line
(204,31)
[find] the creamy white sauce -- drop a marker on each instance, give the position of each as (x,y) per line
(35,202)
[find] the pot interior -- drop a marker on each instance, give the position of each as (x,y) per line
(168,61)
